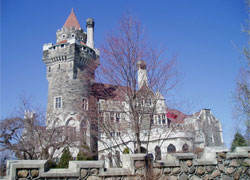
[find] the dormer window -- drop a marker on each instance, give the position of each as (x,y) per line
(72,35)
(81,38)
(63,35)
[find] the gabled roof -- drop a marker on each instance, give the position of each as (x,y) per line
(145,91)
(72,21)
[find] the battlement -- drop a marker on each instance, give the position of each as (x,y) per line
(62,51)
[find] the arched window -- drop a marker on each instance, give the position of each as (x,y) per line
(157,153)
(185,148)
(171,148)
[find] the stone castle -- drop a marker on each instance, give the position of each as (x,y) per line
(73,92)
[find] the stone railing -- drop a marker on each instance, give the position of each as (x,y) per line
(182,166)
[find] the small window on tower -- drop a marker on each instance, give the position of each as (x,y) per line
(118,117)
(72,35)
(111,116)
(63,35)
(58,102)
(85,104)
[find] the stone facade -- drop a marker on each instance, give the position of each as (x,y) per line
(181,166)
(71,68)
(73,94)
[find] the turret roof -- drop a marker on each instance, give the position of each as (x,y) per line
(72,21)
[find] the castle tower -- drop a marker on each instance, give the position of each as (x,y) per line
(71,68)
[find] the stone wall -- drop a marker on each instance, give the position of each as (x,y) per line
(182,166)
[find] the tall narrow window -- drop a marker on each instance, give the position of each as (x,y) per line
(163,119)
(84,104)
(142,102)
(111,116)
(151,118)
(112,134)
(58,102)
(118,115)
(159,119)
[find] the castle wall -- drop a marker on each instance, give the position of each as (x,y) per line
(219,165)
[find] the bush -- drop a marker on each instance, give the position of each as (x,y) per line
(238,141)
(82,156)
(64,161)
(126,151)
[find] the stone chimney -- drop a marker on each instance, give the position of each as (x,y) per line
(90,24)
(142,74)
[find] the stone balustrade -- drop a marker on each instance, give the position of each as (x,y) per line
(182,166)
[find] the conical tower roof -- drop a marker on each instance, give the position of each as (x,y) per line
(72,21)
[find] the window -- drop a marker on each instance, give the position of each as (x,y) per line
(58,102)
(118,117)
(142,102)
(63,35)
(149,102)
(111,116)
(118,134)
(112,134)
(72,35)
(185,148)
(163,119)
(84,104)
(159,119)
(152,118)
(171,148)
(169,122)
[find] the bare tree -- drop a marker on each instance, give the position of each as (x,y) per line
(136,74)
(242,93)
(28,138)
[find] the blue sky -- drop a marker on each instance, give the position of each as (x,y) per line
(200,33)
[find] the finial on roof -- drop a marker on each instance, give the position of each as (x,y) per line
(72,10)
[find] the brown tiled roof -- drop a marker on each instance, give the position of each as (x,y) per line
(180,116)
(109,92)
(72,21)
